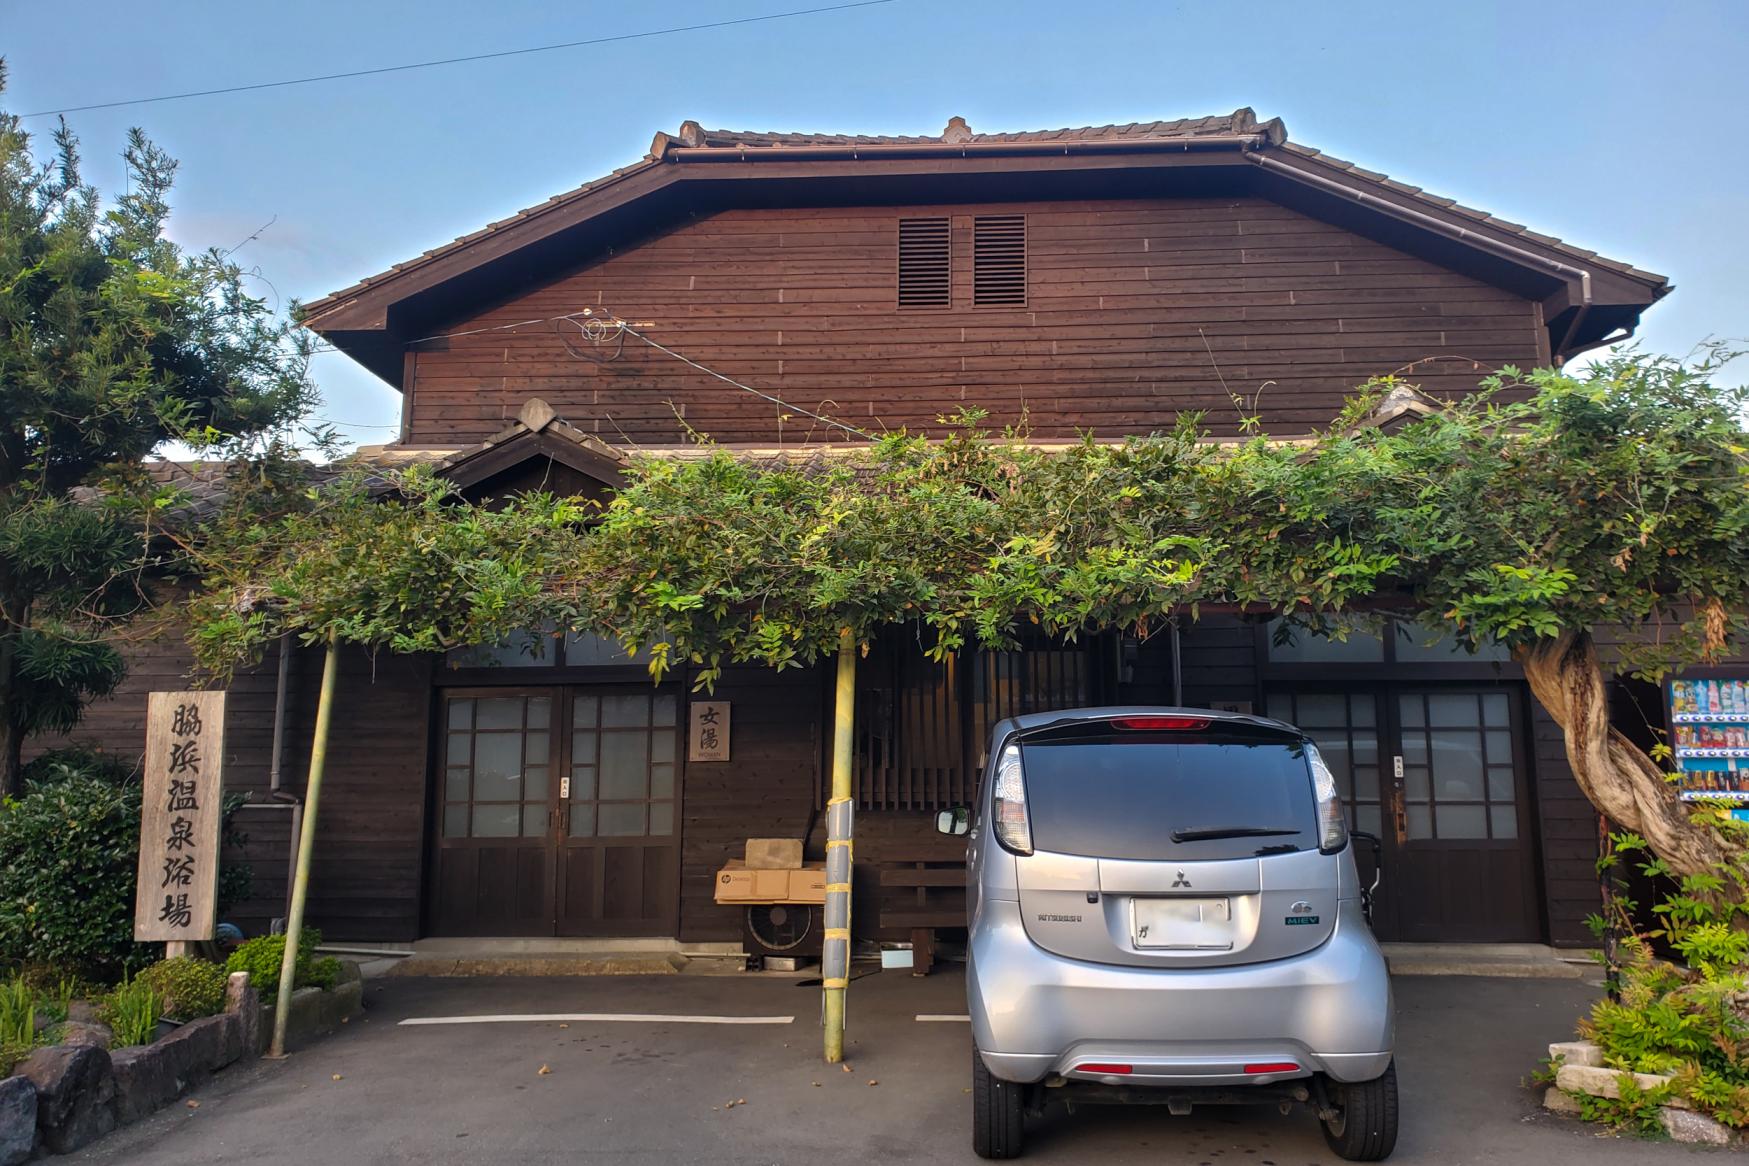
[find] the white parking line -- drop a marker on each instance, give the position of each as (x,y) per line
(628,1017)
(942,1018)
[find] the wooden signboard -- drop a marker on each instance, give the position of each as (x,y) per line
(708,733)
(174,898)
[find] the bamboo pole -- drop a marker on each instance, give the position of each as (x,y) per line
(835,955)
(294,920)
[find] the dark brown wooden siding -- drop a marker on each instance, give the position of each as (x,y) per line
(1135,311)
(365,880)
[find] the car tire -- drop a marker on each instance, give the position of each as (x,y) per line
(998,1113)
(1365,1129)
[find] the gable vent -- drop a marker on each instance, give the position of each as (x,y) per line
(925,264)
(999,261)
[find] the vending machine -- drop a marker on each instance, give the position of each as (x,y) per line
(1709,722)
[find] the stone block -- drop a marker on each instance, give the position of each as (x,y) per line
(146,1080)
(82,1032)
(1577,1052)
(1685,1125)
(1600,1082)
(314,1012)
(17,1119)
(244,1002)
(1557,1100)
(75,1092)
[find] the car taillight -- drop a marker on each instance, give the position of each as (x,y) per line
(1108,1070)
(1332,818)
(1159,724)
(1274,1067)
(1013,829)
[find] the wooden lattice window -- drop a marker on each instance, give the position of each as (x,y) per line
(925,263)
(999,261)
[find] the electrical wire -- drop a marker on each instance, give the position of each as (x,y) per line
(600,40)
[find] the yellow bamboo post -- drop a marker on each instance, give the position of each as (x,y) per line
(294,919)
(835,955)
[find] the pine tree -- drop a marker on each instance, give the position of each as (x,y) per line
(113,341)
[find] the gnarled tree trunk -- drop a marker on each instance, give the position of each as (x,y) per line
(1619,778)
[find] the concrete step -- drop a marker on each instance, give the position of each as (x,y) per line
(1530,961)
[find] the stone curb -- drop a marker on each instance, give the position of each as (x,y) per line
(1582,1071)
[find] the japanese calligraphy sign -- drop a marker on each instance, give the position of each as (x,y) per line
(179,823)
(708,737)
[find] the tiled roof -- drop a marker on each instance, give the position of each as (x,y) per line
(1241,122)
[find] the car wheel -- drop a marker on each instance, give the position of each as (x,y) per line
(1365,1126)
(998,1113)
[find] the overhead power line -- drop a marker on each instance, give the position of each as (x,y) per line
(600,40)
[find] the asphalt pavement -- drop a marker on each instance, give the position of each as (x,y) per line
(671,1091)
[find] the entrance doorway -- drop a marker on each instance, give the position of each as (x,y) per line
(557,812)
(1440,775)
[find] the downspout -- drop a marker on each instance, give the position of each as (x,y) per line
(1485,242)
(1177,669)
(276,791)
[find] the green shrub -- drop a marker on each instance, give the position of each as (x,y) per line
(1686,1018)
(69,854)
(261,958)
(78,761)
(324,974)
(190,987)
(132,1012)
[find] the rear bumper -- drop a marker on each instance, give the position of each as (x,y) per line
(1035,1014)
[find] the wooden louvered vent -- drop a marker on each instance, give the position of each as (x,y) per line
(925,264)
(999,261)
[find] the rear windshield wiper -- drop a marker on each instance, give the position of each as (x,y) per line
(1207,833)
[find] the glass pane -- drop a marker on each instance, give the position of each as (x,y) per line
(624,765)
(455,785)
(1453,709)
(501,712)
(1411,710)
(1366,783)
(584,650)
(662,709)
(582,783)
(534,821)
(583,748)
(1499,746)
(661,781)
(661,746)
(1366,749)
(625,711)
(582,821)
(1366,817)
(1279,706)
(1363,709)
(1322,711)
(461,714)
(1415,784)
(539,708)
(1415,748)
(498,767)
(455,821)
(534,784)
(535,749)
(1412,646)
(497,821)
(619,821)
(1306,648)
(1500,784)
(1420,823)
(1495,712)
(1462,822)
(661,819)
(1504,820)
(1457,766)
(520,650)
(457,753)
(583,712)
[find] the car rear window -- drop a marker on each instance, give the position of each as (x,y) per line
(1111,793)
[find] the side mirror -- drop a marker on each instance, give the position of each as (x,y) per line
(954,821)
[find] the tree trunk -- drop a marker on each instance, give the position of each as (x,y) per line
(1619,778)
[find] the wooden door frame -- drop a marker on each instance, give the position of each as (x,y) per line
(479,682)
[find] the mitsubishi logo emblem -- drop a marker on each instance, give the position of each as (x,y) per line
(1180,881)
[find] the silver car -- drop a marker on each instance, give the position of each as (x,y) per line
(1164,907)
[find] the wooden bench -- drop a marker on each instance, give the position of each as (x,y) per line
(938,900)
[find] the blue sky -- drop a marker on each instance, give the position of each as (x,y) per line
(1610,124)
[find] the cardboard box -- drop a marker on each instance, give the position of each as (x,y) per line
(807,885)
(741,885)
(774,853)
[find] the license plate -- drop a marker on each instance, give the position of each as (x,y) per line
(1183,923)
